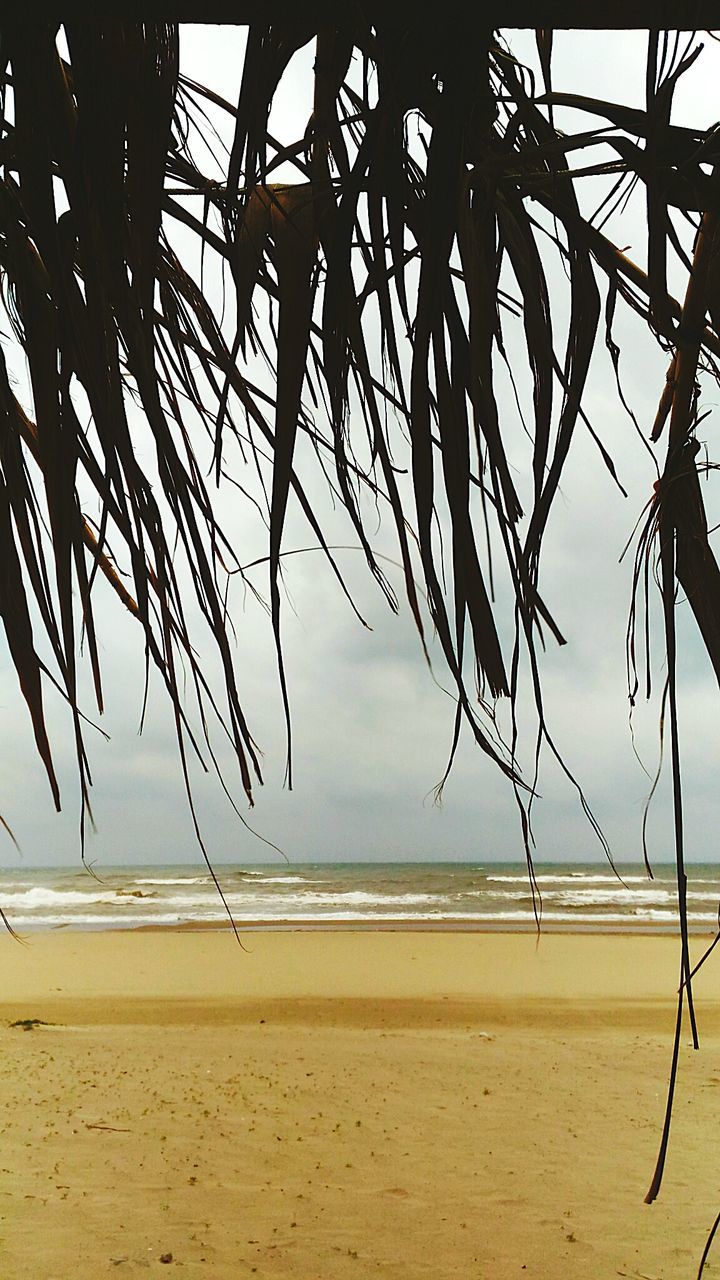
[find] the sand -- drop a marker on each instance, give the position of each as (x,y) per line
(351,1105)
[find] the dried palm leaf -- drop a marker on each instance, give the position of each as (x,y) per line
(431,179)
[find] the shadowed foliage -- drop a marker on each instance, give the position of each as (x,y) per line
(431,186)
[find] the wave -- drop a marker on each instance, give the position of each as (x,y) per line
(573,877)
(174,880)
(284,880)
(257,877)
(105,921)
(40,897)
(619,897)
(611,897)
(291,901)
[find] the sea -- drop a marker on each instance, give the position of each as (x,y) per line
(580,897)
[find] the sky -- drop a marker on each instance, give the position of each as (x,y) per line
(372,725)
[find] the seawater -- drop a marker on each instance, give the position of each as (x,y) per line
(485,895)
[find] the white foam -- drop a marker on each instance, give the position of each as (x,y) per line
(31,899)
(175,880)
(573,877)
(282,880)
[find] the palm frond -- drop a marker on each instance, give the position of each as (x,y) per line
(433,185)
(432,181)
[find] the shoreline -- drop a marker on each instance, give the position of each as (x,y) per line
(390,925)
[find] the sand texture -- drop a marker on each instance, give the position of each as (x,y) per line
(351,1105)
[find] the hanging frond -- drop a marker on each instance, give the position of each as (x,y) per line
(366,327)
(98,173)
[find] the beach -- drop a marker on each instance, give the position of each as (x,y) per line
(342,1103)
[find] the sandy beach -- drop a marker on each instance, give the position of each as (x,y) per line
(328,1105)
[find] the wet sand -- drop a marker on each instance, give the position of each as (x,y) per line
(352,1104)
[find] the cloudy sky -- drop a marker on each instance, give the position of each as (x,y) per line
(372,727)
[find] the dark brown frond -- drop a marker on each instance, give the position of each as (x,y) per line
(380,298)
(380,301)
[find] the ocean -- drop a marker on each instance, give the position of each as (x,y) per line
(579,897)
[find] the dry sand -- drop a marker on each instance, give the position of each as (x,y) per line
(351,1105)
